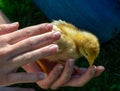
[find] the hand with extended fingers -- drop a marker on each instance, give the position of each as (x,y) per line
(24,46)
(63,76)
(18,48)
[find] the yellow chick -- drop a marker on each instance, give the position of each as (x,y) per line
(74,43)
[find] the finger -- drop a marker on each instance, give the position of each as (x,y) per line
(27,32)
(15,89)
(32,67)
(65,76)
(34,42)
(79,71)
(8,28)
(83,79)
(99,70)
(24,77)
(32,56)
(46,83)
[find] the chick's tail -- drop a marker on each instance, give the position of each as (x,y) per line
(46,65)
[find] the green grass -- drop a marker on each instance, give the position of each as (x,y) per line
(27,14)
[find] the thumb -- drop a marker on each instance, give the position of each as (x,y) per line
(24,77)
(8,28)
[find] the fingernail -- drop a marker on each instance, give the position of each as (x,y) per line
(14,24)
(60,67)
(54,47)
(49,26)
(56,34)
(42,75)
(71,62)
(93,70)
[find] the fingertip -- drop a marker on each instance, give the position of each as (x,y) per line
(91,70)
(14,24)
(49,26)
(57,35)
(70,63)
(53,48)
(71,60)
(99,70)
(60,67)
(42,75)
(44,27)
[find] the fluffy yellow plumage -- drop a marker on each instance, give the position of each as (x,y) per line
(74,43)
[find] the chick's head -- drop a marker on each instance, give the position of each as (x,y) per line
(90,47)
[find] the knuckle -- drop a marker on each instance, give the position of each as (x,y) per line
(65,78)
(4,50)
(45,38)
(49,36)
(23,57)
(42,27)
(4,38)
(30,42)
(51,78)
(44,52)
(56,73)
(18,59)
(2,27)
(44,86)
(28,32)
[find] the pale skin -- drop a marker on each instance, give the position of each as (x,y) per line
(22,48)
(66,78)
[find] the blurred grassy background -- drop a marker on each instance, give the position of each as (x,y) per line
(28,14)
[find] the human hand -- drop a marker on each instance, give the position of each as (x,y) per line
(60,77)
(21,47)
(15,89)
(84,75)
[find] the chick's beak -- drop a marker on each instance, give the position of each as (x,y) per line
(90,60)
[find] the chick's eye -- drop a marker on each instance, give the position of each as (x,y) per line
(86,53)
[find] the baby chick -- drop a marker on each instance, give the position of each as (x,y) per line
(74,43)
